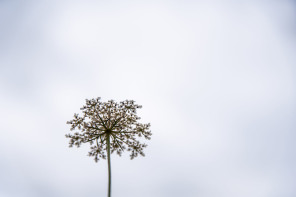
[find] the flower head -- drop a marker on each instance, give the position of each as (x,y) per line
(109,120)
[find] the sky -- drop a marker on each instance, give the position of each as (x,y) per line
(216,80)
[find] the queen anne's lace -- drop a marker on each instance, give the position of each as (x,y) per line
(102,119)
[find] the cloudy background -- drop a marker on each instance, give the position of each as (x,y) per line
(216,80)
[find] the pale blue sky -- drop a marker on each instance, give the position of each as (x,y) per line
(216,80)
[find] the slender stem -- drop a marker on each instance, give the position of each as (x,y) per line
(109,165)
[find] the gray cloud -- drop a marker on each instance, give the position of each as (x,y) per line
(216,81)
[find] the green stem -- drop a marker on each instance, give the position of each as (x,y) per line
(109,165)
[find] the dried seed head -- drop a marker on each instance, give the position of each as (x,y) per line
(119,121)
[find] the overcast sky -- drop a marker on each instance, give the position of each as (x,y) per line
(216,80)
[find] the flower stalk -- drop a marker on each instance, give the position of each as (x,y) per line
(109,165)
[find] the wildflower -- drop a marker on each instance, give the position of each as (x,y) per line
(109,127)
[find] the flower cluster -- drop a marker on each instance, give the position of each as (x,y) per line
(116,121)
